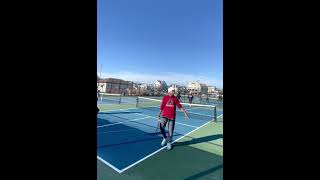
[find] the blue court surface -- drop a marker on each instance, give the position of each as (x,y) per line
(127,137)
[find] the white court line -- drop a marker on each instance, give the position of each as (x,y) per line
(136,113)
(117,110)
(159,149)
(126,168)
(190,111)
(122,122)
(146,116)
(193,108)
(116,131)
(156,106)
(176,121)
(187,125)
(106,104)
(200,114)
(157,118)
(116,102)
(105,162)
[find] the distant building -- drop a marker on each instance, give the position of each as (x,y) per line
(113,85)
(143,86)
(196,87)
(212,89)
(160,85)
(175,86)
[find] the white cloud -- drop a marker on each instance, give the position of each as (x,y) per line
(170,78)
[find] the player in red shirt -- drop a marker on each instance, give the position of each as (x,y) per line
(167,114)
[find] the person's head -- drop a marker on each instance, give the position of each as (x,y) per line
(171,91)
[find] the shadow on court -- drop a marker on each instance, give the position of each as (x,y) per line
(200,140)
(204,173)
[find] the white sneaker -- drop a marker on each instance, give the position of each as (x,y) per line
(164,141)
(168,146)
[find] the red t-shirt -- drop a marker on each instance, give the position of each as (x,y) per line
(168,106)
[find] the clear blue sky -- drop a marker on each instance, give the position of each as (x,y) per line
(171,40)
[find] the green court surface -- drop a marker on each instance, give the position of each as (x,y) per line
(198,155)
(108,107)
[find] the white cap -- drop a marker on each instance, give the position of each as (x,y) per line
(171,89)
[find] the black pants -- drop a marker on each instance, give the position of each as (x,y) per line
(163,123)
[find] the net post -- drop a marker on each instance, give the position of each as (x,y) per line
(137,103)
(215,114)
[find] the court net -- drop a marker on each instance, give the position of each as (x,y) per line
(195,111)
(204,99)
(111,98)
